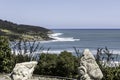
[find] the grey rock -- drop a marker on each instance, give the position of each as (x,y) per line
(23,71)
(89,69)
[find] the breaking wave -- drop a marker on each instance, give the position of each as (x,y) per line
(56,37)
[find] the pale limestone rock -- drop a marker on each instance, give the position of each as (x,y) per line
(23,71)
(89,69)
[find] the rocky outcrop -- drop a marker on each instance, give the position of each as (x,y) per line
(89,69)
(23,71)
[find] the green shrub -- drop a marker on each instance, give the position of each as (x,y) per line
(19,58)
(6,61)
(109,73)
(64,64)
(46,64)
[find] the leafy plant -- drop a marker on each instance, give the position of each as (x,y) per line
(109,72)
(6,60)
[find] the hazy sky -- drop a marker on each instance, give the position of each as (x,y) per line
(62,13)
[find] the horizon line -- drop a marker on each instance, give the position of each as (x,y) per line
(87,28)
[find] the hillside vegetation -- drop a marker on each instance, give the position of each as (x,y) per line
(19,31)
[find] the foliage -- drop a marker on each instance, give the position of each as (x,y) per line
(109,72)
(64,64)
(47,64)
(6,61)
(25,50)
(15,31)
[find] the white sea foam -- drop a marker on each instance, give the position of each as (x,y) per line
(111,63)
(57,51)
(56,37)
(55,34)
(53,51)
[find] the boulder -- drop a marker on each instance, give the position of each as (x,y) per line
(89,69)
(23,71)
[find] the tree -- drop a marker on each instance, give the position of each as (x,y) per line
(66,64)
(46,64)
(6,61)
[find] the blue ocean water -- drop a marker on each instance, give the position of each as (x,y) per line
(66,39)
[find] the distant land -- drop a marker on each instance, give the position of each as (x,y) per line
(21,31)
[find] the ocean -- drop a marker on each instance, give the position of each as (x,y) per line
(66,39)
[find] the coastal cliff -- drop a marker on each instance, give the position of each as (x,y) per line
(25,32)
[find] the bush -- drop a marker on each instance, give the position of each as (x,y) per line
(109,73)
(46,64)
(6,61)
(64,64)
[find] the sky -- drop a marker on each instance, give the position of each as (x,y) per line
(56,14)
